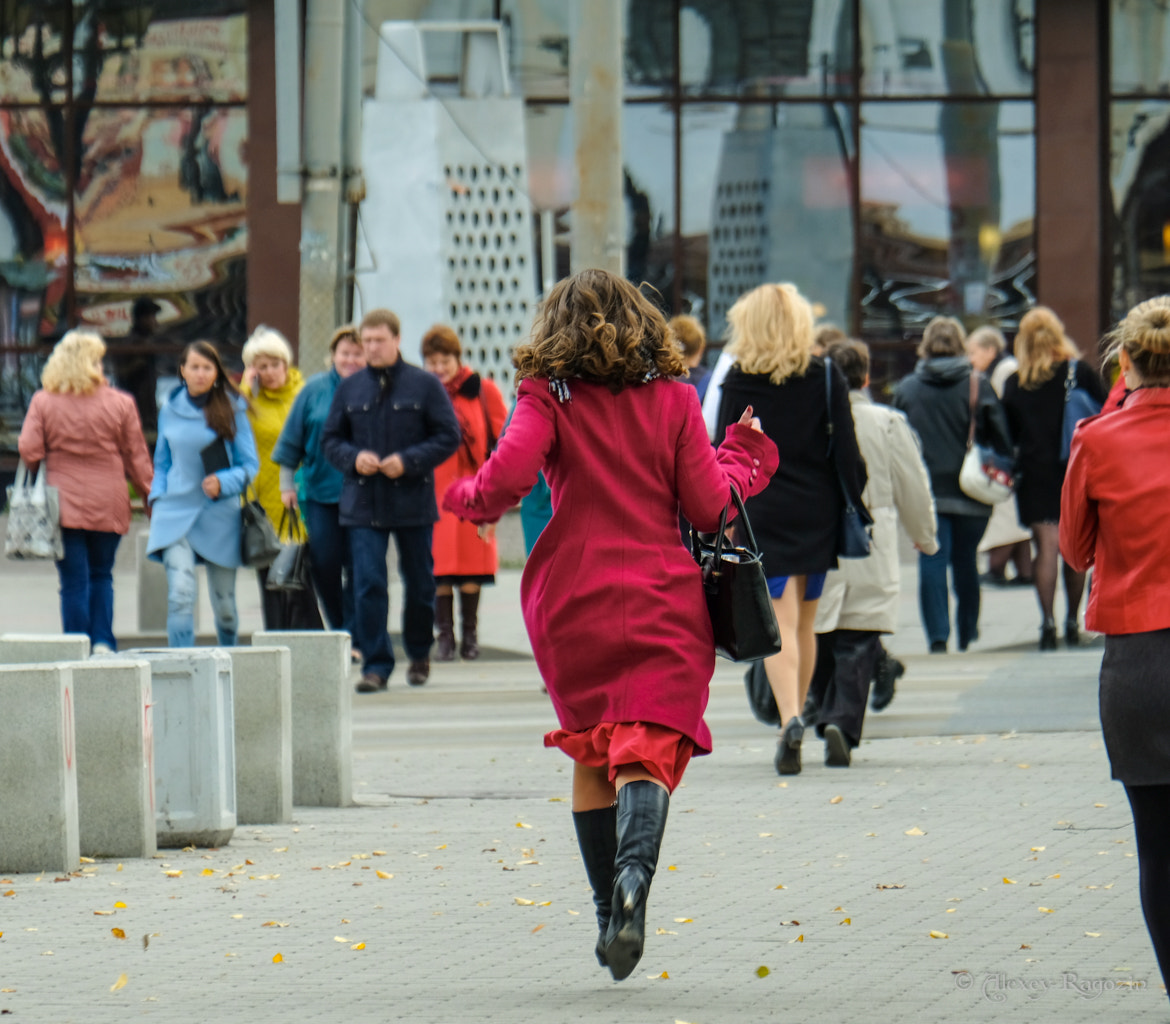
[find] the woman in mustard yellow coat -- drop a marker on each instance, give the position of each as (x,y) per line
(271,384)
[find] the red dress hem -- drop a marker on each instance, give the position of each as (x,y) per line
(663,752)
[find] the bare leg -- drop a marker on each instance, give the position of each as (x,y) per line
(784,669)
(1047,537)
(806,638)
(628,773)
(592,789)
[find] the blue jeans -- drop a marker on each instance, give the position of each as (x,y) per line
(372,597)
(331,563)
(958,543)
(87,584)
(179,562)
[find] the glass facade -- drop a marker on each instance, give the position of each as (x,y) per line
(123,185)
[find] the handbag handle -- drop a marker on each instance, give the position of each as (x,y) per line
(721,536)
(972,401)
(297,533)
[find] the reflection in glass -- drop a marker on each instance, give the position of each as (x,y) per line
(1140,42)
(947,210)
(1138,161)
(160,211)
(947,47)
(766,197)
(33,66)
(186,50)
(648,146)
(748,48)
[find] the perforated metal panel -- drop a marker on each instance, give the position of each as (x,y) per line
(738,257)
(488,253)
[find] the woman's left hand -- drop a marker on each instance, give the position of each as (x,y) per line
(211,486)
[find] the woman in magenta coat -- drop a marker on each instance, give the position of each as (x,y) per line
(612,600)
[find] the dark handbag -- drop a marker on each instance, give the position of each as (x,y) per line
(259,544)
(854,539)
(736,590)
(760,697)
(1078,404)
(289,571)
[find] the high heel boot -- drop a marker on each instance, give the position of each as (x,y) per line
(445,627)
(597,837)
(469,614)
(641,821)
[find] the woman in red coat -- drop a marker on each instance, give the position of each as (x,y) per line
(463,559)
(612,600)
(1112,515)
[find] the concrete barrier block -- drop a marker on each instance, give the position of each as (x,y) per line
(40,648)
(322,732)
(115,757)
(38,770)
(262,697)
(194,745)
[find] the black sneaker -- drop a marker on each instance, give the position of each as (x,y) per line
(889,671)
(837,752)
(938,647)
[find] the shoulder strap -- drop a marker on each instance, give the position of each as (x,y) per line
(1070,379)
(829,402)
(973,403)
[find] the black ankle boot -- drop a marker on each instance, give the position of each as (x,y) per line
(641,821)
(597,837)
(445,627)
(469,614)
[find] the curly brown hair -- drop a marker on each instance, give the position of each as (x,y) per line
(598,327)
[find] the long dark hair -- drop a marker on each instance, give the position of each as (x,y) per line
(220,410)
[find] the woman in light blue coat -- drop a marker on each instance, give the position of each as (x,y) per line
(203,461)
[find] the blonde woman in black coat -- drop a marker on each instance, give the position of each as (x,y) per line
(795,518)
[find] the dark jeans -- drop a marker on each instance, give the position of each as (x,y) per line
(87,584)
(330,563)
(958,543)
(372,596)
(853,655)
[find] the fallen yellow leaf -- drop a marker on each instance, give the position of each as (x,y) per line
(662,975)
(281,849)
(939,935)
(836,799)
(671,868)
(845,920)
(174,874)
(273,924)
(1039,849)
(378,853)
(206,871)
(278,959)
(1092,935)
(102,913)
(779,887)
(663,931)
(1009,881)
(684,920)
(1100,805)
(358,945)
(915,831)
(762,971)
(1044,910)
(799,938)
(383,874)
(950,910)
(120,983)
(524,902)
(1023,766)
(117,933)
(88,860)
(765,835)
(340,938)
(546,903)
(521,824)
(119,905)
(443,847)
(246,861)
(10,892)
(236,917)
(536,929)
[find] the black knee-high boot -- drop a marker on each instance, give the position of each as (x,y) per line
(641,821)
(597,837)
(445,627)
(469,613)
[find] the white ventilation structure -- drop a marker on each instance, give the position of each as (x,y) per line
(446,235)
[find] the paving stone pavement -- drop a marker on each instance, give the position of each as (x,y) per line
(486,915)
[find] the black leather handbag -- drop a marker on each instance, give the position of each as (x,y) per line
(290,569)
(736,590)
(259,544)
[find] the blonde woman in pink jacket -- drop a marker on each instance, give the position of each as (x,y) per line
(90,439)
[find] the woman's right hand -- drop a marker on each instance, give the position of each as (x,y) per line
(211,486)
(289,499)
(748,420)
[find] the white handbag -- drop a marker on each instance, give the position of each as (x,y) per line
(985,476)
(34,518)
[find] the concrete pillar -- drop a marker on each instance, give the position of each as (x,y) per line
(262,696)
(38,770)
(596,81)
(115,757)
(194,746)
(322,732)
(39,648)
(152,589)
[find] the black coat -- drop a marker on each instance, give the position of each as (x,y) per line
(414,420)
(795,518)
(936,399)
(1036,420)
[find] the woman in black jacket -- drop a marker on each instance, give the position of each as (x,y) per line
(795,518)
(1034,399)
(936,398)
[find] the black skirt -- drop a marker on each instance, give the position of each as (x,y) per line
(1135,707)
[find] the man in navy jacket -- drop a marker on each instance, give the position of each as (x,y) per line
(388,427)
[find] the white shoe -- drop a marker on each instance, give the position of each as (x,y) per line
(101,649)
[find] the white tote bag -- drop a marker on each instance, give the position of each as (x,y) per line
(34,518)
